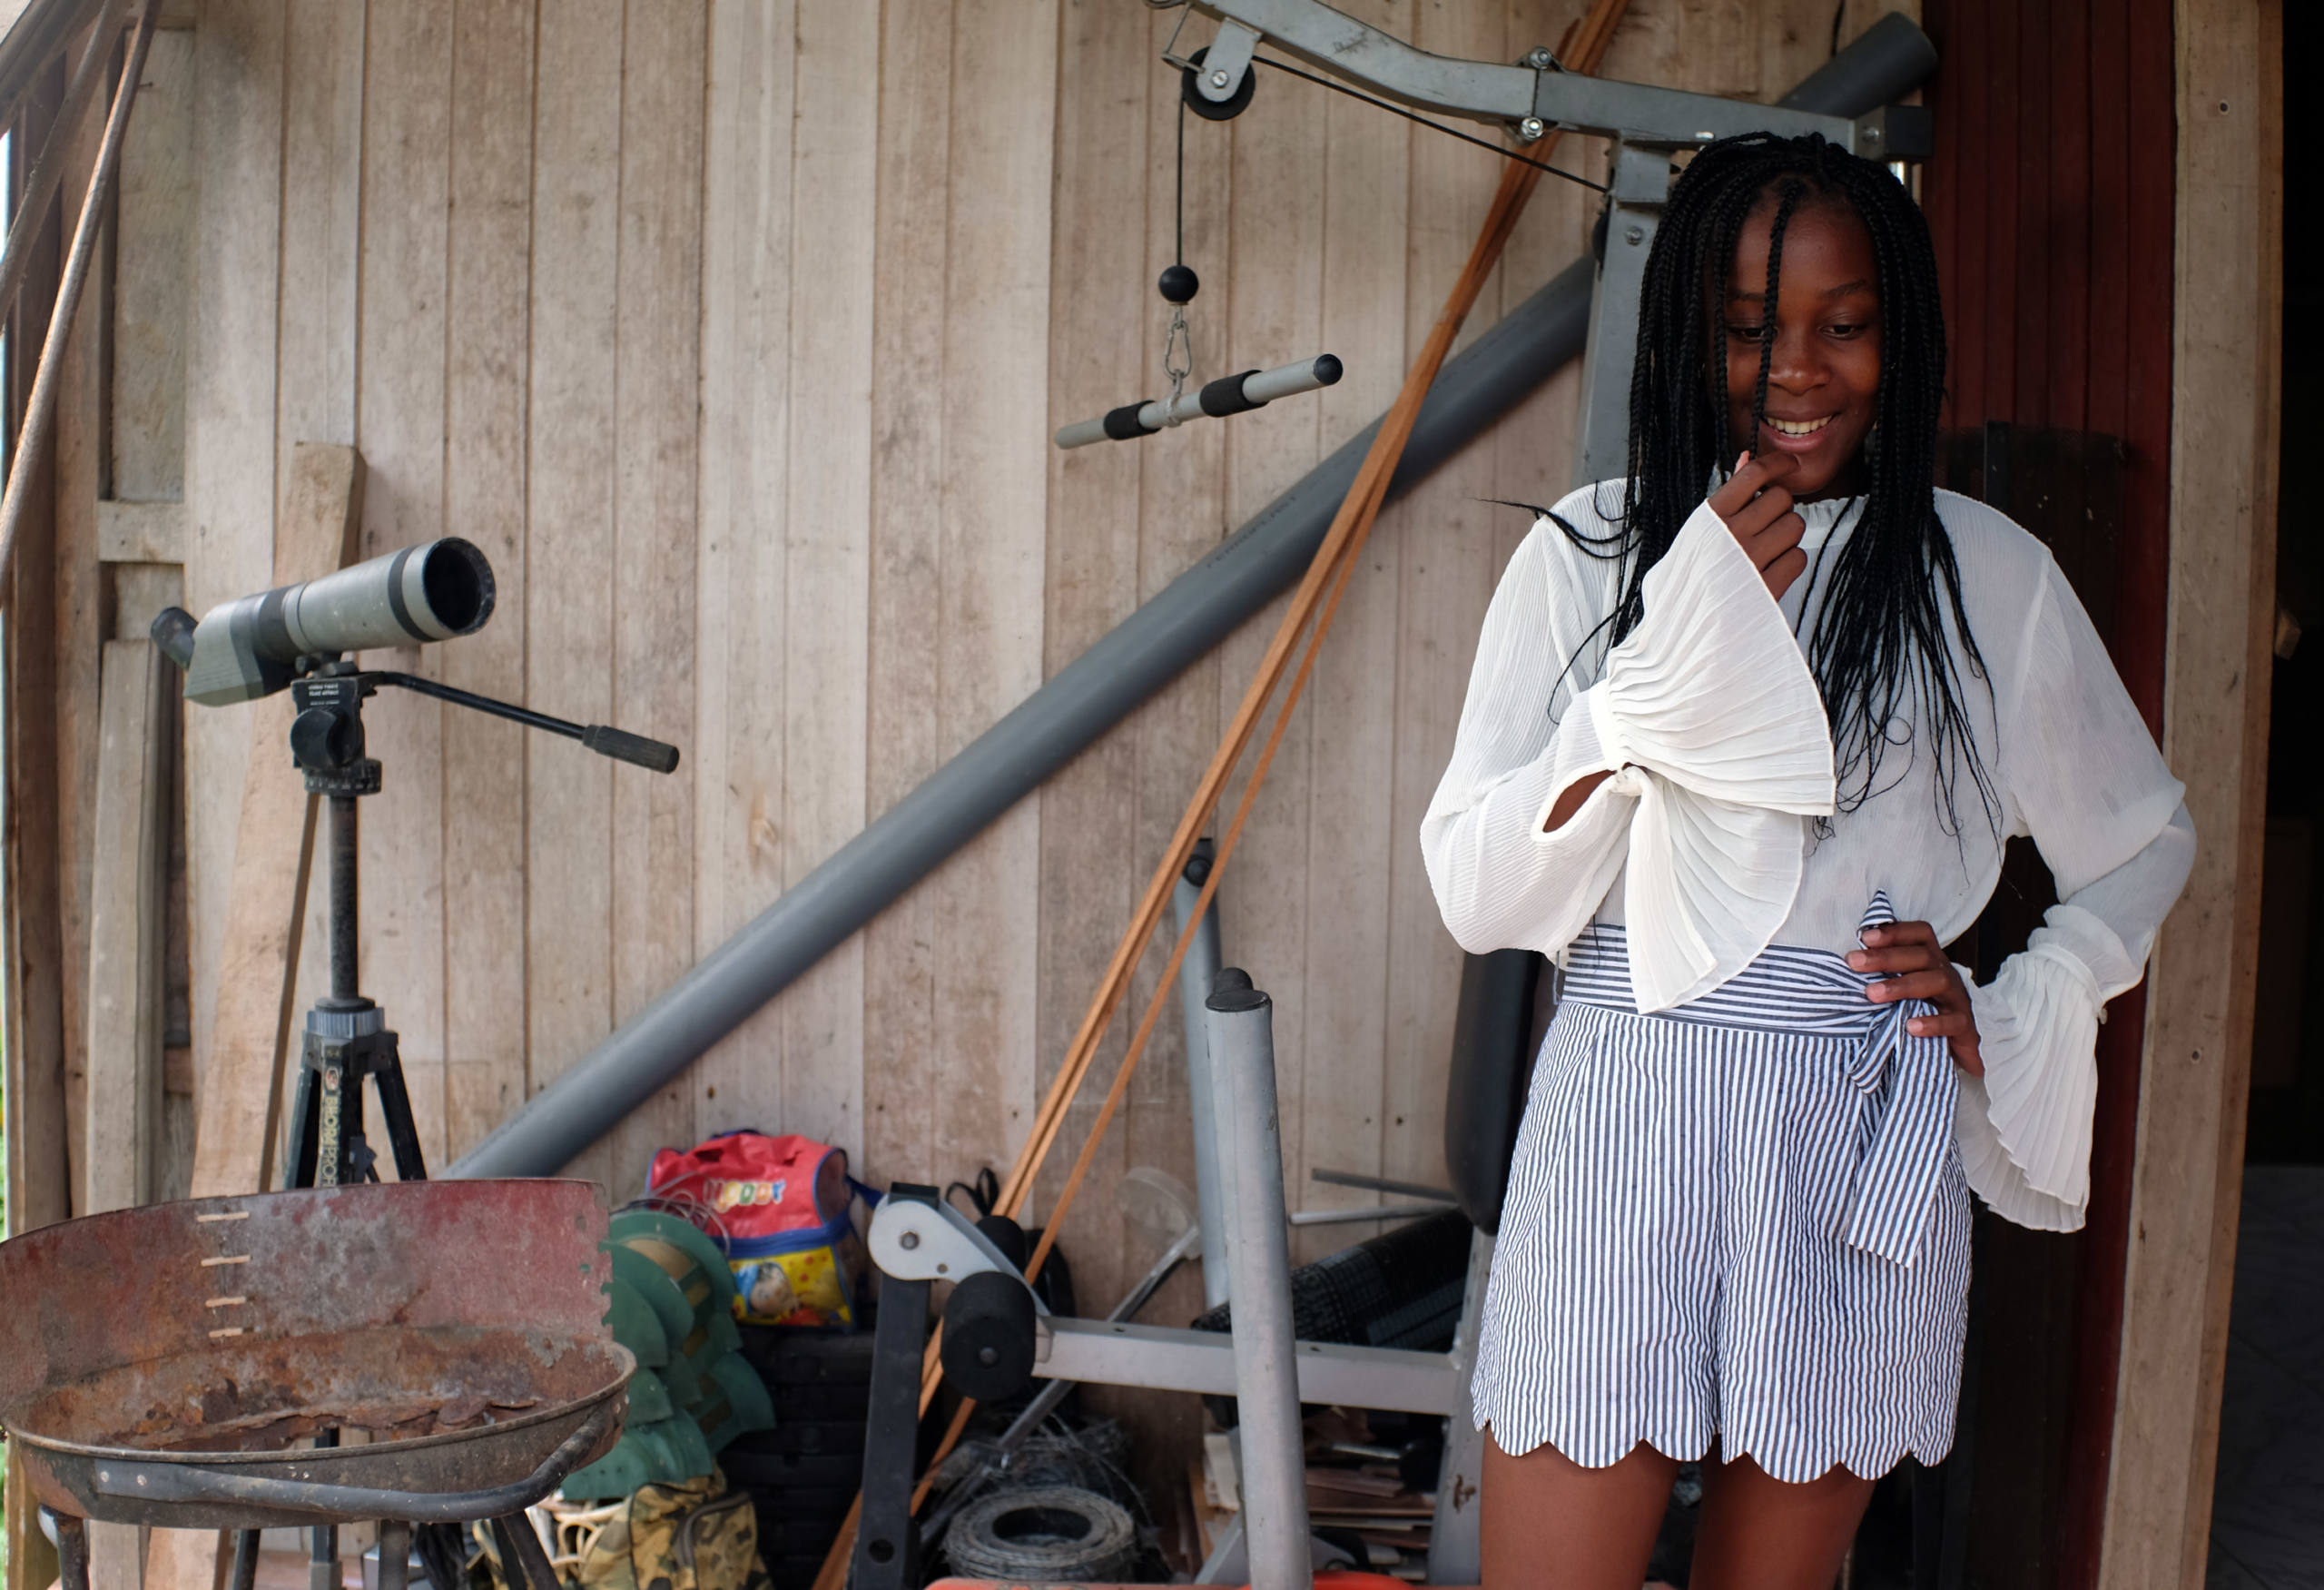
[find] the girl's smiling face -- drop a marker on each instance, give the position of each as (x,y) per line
(1824,378)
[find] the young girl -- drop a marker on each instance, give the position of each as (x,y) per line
(1745,764)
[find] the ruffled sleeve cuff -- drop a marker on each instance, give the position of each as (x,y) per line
(1712,711)
(2024,1127)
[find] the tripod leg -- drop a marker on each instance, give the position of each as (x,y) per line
(323,1557)
(71,1551)
(245,1575)
(395,1553)
(306,1130)
(394,1113)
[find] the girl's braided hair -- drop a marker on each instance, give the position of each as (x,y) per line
(1879,641)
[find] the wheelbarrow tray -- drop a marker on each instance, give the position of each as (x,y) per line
(157,1365)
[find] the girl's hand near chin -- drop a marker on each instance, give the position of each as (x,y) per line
(1757,509)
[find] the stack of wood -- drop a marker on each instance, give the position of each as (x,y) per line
(1356,1495)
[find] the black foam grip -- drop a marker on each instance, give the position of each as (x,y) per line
(1121,424)
(625,746)
(1224,396)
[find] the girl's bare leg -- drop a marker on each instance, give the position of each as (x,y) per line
(1757,1532)
(1548,1521)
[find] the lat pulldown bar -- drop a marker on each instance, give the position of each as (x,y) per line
(1229,394)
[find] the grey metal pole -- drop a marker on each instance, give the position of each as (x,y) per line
(1274,1470)
(1195,975)
(1091,694)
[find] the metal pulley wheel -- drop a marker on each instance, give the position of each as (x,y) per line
(1214,110)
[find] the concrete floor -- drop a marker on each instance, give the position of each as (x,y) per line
(2267,1510)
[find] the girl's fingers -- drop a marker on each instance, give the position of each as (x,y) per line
(1901,933)
(1930,987)
(1786,568)
(1781,536)
(1753,518)
(1752,476)
(1898,958)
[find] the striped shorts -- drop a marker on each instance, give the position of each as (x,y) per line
(1742,1222)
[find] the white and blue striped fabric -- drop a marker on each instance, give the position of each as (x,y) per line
(1740,1223)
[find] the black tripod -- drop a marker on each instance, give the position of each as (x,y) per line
(347,1037)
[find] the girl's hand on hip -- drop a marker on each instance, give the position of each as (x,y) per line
(1756,511)
(1912,964)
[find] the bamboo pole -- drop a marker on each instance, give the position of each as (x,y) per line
(40,409)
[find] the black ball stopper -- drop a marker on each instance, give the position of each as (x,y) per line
(1178,283)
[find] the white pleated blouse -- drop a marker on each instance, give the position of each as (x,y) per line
(1704,842)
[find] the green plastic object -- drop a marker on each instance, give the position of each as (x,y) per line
(662,1294)
(666,1452)
(685,1236)
(634,1325)
(649,1400)
(740,1403)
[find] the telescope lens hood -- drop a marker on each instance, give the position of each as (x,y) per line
(457,582)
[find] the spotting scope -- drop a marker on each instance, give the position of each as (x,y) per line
(251,647)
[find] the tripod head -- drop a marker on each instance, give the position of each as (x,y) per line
(327,734)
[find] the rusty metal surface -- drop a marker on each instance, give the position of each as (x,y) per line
(459,1323)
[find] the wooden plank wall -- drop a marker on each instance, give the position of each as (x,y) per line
(735,333)
(2054,245)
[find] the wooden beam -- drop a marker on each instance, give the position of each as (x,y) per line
(39,1134)
(124,1123)
(141,532)
(2223,455)
(240,1094)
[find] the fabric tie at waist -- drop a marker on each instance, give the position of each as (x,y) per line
(1906,1129)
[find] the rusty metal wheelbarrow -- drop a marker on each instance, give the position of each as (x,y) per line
(158,1364)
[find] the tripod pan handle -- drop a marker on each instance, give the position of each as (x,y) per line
(625,746)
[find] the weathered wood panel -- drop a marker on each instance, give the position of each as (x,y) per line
(488,364)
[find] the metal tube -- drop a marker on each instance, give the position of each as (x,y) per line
(1357,1215)
(1055,724)
(72,1550)
(40,409)
(344,854)
(1195,975)
(395,1553)
(1267,1369)
(245,1571)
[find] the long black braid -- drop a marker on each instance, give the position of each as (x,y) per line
(1880,637)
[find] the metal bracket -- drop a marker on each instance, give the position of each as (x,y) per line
(1223,68)
(916,1242)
